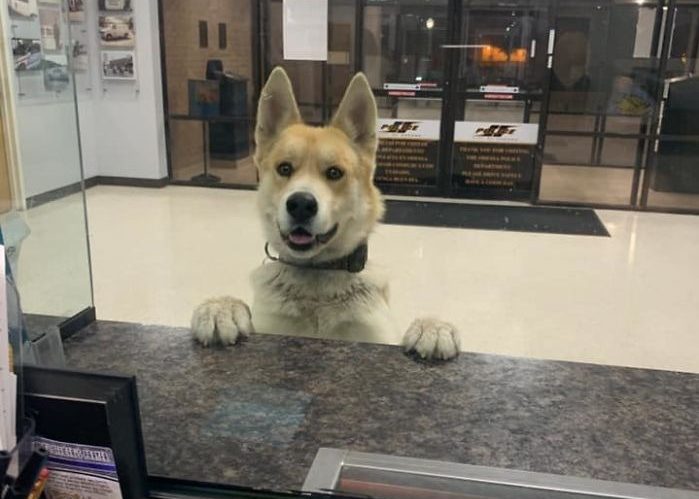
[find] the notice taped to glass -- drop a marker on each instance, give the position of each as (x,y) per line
(83,471)
(498,156)
(407,152)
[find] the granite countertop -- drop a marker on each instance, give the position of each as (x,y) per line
(255,414)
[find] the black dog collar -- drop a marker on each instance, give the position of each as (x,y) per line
(353,263)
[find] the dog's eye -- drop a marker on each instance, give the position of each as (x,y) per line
(334,173)
(285,169)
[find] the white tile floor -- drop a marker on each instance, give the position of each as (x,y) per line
(632,299)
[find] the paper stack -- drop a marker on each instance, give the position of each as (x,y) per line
(8,379)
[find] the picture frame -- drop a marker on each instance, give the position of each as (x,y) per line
(76,11)
(27,54)
(118,65)
(23,8)
(115,5)
(117,31)
(51,36)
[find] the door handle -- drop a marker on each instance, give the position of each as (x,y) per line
(552,41)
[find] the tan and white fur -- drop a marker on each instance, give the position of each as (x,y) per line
(330,169)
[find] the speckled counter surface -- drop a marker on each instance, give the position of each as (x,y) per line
(255,414)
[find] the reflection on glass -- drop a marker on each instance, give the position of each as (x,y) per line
(604,81)
(522,284)
(403,59)
(403,42)
(674,180)
(42,208)
(506,46)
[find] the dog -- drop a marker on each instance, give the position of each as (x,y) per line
(318,205)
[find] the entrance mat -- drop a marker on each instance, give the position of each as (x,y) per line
(572,221)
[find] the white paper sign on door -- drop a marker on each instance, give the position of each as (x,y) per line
(305,27)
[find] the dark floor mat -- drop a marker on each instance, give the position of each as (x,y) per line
(573,221)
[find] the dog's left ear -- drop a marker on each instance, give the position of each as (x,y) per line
(356,115)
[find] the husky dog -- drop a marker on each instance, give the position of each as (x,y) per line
(318,206)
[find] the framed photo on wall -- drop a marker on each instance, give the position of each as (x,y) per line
(23,8)
(115,5)
(76,11)
(50,20)
(117,31)
(118,65)
(26,53)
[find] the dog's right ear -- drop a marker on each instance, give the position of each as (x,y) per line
(276,110)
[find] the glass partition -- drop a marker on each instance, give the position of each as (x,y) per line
(44,218)
(439,278)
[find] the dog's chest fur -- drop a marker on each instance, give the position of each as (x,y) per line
(328,303)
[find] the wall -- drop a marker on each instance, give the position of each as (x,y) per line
(49,156)
(47,143)
(121,123)
(123,127)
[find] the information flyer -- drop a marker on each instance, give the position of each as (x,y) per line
(407,152)
(494,155)
(80,471)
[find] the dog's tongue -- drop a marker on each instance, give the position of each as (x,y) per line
(301,237)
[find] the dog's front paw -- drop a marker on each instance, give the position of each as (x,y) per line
(223,319)
(432,339)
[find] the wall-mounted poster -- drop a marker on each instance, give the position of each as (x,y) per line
(204,97)
(23,8)
(55,73)
(50,20)
(108,5)
(79,60)
(118,65)
(117,31)
(26,53)
(76,11)
(493,156)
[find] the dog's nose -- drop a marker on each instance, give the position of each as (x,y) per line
(302,206)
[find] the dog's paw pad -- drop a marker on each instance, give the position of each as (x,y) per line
(432,339)
(225,320)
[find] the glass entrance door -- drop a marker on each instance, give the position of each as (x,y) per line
(500,82)
(459,86)
(603,101)
(404,59)
(672,177)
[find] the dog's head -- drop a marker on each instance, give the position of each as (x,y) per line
(316,194)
